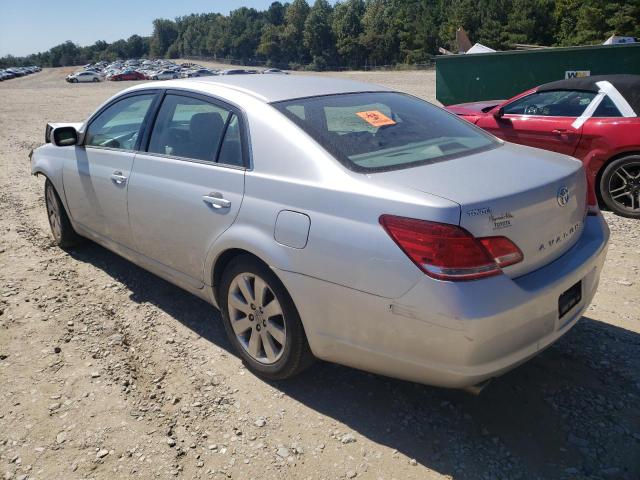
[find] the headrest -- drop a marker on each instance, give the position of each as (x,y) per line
(205,125)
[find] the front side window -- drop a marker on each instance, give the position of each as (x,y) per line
(384,130)
(557,103)
(189,127)
(119,125)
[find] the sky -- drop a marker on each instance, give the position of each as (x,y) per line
(31,26)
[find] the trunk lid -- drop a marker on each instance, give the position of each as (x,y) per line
(535,198)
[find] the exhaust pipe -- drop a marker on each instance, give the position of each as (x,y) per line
(477,388)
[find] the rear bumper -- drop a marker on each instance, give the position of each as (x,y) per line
(445,333)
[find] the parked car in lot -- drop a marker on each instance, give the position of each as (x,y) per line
(165,75)
(236,71)
(85,76)
(594,119)
(200,72)
(275,71)
(334,219)
(127,75)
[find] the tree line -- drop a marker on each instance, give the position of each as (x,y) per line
(355,33)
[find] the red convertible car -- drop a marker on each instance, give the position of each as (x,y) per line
(127,75)
(594,119)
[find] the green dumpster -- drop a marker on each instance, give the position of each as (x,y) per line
(501,75)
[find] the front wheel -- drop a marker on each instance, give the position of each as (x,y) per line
(620,186)
(63,233)
(74,80)
(261,320)
(95,80)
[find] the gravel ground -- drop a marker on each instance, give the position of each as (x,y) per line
(109,372)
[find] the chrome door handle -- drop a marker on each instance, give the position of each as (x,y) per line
(118,178)
(216,200)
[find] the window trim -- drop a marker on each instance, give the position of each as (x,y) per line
(247,163)
(143,126)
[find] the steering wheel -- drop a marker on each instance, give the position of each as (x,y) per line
(531,110)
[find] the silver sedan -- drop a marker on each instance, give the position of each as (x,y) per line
(336,220)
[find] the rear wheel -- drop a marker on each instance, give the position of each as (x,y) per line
(63,233)
(261,320)
(620,186)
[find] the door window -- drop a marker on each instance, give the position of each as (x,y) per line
(558,103)
(119,125)
(189,127)
(231,149)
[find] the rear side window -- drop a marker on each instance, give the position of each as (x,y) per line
(189,127)
(607,109)
(384,131)
(118,126)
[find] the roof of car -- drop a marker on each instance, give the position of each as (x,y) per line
(627,85)
(275,88)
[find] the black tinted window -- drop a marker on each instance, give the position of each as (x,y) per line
(558,103)
(383,131)
(188,127)
(607,109)
(119,125)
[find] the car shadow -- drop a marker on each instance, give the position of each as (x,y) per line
(571,412)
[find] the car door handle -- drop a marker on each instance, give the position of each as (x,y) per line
(216,200)
(562,131)
(118,178)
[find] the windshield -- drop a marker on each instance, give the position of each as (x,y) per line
(383,130)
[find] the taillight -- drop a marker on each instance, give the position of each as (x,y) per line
(449,252)
(592,199)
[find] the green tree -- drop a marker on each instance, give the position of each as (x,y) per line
(293,31)
(347,29)
(317,35)
(165,32)
(377,38)
(275,14)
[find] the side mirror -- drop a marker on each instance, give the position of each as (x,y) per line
(65,136)
(499,113)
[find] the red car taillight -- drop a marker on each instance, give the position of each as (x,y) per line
(592,199)
(449,252)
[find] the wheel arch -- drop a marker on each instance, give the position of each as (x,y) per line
(603,167)
(221,263)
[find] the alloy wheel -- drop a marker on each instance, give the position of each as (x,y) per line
(624,186)
(257,318)
(53,213)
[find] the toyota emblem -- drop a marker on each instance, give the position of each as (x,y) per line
(563,196)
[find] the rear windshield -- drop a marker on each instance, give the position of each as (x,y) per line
(384,131)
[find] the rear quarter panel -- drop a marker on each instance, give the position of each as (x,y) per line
(605,138)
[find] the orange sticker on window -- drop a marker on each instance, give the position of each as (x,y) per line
(375,118)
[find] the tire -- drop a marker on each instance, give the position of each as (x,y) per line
(620,186)
(95,80)
(74,80)
(63,233)
(268,336)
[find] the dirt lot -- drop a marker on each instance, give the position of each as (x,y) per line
(109,372)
